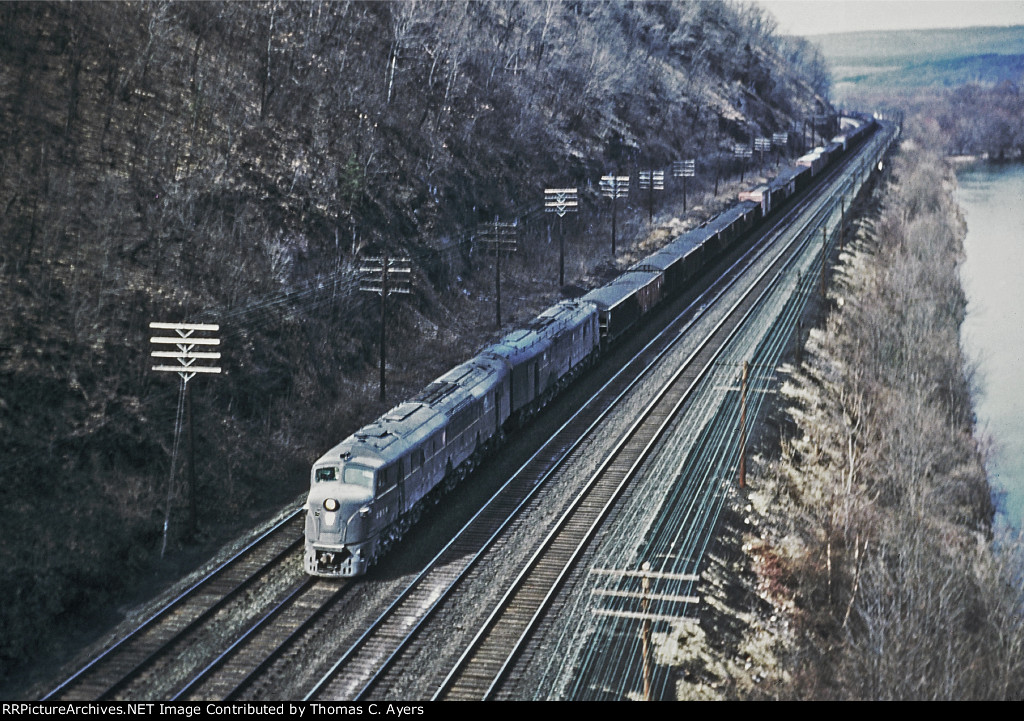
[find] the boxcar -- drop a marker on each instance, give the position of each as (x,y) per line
(623,302)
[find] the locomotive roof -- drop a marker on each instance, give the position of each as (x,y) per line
(538,333)
(392,435)
(389,437)
(462,383)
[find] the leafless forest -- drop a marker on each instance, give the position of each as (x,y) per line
(883,552)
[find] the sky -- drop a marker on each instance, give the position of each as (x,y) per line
(817,17)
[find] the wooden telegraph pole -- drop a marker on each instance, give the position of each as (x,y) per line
(687,169)
(189,364)
(743,153)
(645,633)
(561,201)
(779,141)
(743,425)
(623,596)
(385,276)
(614,187)
(842,220)
(498,237)
(741,470)
(651,180)
(824,257)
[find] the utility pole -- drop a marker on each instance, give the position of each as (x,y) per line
(561,201)
(743,425)
(498,237)
(651,180)
(645,633)
(743,153)
(762,144)
(614,187)
(744,389)
(779,141)
(824,257)
(184,343)
(842,220)
(687,169)
(385,276)
(627,599)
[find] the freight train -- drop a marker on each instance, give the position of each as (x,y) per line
(368,490)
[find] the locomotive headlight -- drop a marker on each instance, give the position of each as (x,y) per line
(330,505)
(364,512)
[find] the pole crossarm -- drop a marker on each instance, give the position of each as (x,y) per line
(652,179)
(640,615)
(649,596)
(645,574)
(187,369)
(185,327)
(615,186)
(184,340)
(561,201)
(501,236)
(684,168)
(399,275)
(185,343)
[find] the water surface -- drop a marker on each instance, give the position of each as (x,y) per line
(992,199)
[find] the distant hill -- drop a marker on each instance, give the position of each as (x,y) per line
(868,61)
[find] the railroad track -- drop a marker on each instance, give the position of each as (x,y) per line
(360,669)
(248,662)
(126,668)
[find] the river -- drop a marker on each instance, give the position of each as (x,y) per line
(992,199)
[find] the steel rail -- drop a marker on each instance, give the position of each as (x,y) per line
(162,616)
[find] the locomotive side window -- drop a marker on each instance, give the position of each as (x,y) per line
(389,477)
(358,476)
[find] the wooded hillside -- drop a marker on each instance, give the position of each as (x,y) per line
(230,162)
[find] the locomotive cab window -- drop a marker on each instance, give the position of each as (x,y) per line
(358,476)
(326,474)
